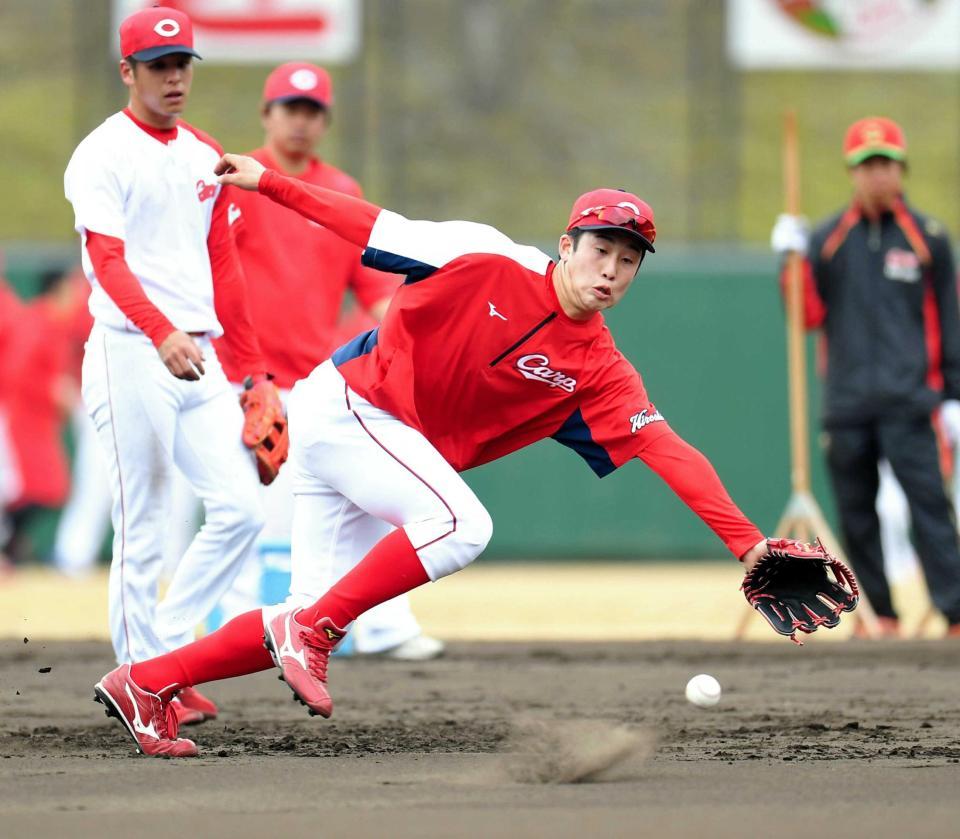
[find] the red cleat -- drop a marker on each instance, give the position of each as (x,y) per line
(151,722)
(302,654)
(185,715)
(193,707)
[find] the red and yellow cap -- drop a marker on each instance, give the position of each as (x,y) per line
(299,80)
(615,209)
(874,137)
(155,32)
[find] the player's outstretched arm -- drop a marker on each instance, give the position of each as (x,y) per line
(351,218)
(239,170)
(692,477)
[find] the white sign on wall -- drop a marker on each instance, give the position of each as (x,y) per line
(837,34)
(264,31)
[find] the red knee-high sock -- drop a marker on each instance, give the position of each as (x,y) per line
(235,649)
(391,568)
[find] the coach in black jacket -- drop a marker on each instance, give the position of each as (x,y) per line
(879,279)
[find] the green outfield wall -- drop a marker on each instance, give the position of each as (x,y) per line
(704,326)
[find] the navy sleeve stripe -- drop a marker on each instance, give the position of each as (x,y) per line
(575,434)
(394,264)
(361,345)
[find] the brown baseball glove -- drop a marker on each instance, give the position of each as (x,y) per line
(264,426)
(791,588)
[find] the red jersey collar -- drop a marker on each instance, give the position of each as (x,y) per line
(164,135)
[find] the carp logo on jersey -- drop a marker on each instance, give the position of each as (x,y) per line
(536,367)
(638,421)
(205,190)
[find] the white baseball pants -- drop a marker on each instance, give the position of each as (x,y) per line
(148,421)
(382,628)
(357,473)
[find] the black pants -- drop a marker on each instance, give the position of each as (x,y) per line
(911,447)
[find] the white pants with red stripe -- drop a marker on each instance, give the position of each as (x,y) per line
(148,422)
(357,473)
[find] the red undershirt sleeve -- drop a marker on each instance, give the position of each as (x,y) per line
(107,254)
(350,218)
(692,477)
(230,292)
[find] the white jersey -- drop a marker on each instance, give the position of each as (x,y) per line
(158,198)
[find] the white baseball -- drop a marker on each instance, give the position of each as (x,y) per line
(703,691)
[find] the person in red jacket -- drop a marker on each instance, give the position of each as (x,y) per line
(295,113)
(40,390)
(488,347)
(11,308)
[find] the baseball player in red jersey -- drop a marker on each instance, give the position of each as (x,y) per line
(41,391)
(11,308)
(296,106)
(487,347)
(165,278)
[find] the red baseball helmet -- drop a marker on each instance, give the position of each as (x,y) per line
(615,209)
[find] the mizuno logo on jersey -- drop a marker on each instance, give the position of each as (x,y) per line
(493,311)
(205,191)
(638,421)
(536,367)
(233,213)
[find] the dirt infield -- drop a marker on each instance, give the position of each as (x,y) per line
(845,739)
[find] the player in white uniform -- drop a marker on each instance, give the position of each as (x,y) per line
(165,281)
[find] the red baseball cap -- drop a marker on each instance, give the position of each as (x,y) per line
(151,33)
(615,209)
(299,80)
(874,137)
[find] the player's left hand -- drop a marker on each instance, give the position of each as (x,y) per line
(239,170)
(789,585)
(264,426)
(751,557)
